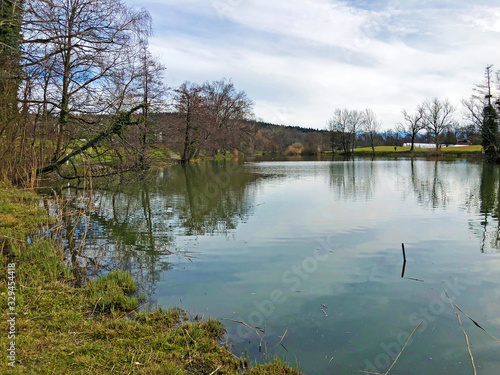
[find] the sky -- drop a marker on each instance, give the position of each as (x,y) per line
(298,60)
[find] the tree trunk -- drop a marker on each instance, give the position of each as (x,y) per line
(186,154)
(119,123)
(64,115)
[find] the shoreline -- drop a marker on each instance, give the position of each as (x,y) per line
(58,327)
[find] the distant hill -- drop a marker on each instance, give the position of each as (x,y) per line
(268,125)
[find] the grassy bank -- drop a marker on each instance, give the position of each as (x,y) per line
(445,151)
(94,329)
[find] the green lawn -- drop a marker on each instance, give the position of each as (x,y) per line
(383,149)
(476,149)
(464,149)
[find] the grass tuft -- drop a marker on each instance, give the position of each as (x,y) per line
(112,292)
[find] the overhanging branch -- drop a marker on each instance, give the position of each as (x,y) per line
(121,121)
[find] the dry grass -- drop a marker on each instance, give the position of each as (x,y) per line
(295,149)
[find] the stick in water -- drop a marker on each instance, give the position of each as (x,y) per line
(406,343)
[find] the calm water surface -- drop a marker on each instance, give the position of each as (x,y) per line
(313,249)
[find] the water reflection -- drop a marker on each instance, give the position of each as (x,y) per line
(137,222)
(145,215)
(429,186)
(220,239)
(216,198)
(488,228)
(352,180)
(437,184)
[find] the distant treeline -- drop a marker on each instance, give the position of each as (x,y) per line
(260,136)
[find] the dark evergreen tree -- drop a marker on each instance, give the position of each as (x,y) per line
(489,133)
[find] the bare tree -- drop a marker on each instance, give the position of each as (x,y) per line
(345,124)
(150,90)
(438,117)
(413,124)
(213,117)
(371,126)
(189,105)
(313,143)
(338,126)
(356,119)
(226,111)
(82,43)
(473,113)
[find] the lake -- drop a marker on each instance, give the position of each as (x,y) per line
(310,252)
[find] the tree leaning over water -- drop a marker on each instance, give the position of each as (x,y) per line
(82,62)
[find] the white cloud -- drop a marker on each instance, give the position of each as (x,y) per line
(298,60)
(483,18)
(318,21)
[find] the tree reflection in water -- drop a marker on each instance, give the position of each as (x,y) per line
(488,229)
(135,221)
(142,222)
(466,185)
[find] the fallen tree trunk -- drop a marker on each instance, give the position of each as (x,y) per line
(122,121)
